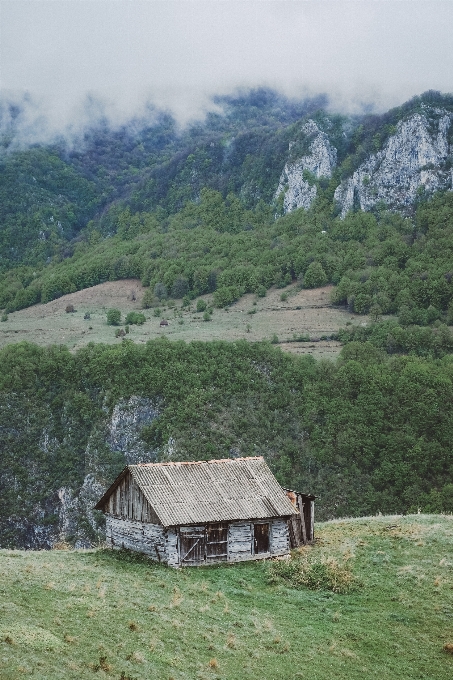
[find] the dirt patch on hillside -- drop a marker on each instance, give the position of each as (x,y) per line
(118,294)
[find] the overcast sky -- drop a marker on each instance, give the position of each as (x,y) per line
(179,52)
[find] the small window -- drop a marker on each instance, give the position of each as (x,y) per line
(261,538)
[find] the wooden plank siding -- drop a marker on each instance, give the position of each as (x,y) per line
(142,537)
(128,502)
(200,545)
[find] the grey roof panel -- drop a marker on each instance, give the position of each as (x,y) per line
(212,491)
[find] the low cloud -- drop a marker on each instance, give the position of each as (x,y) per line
(68,65)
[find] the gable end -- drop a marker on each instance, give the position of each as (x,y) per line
(126,500)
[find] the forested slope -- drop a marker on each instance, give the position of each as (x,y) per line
(204,210)
(367,434)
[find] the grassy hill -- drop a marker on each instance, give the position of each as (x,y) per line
(306,314)
(101,614)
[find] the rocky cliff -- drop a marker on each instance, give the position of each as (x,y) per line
(297,180)
(414,160)
(44,514)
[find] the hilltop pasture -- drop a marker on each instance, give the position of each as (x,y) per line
(100,614)
(306,313)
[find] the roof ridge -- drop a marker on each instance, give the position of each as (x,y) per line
(196,462)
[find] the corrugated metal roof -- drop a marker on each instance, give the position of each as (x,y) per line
(211,491)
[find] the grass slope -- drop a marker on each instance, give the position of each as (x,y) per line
(87,614)
(304,313)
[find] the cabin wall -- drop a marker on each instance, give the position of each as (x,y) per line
(146,538)
(128,501)
(240,541)
(241,544)
(172,547)
(163,545)
(280,537)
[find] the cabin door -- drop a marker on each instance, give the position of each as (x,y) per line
(192,545)
(217,542)
(261,538)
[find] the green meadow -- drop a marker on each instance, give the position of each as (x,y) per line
(373,598)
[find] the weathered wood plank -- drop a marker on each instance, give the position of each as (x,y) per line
(240,541)
(132,535)
(302,518)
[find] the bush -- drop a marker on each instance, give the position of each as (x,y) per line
(160,291)
(201,305)
(148,299)
(315,276)
(135,318)
(206,316)
(283,297)
(4,317)
(226,295)
(119,333)
(70,309)
(113,317)
(313,572)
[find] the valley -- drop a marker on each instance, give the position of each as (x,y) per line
(269,237)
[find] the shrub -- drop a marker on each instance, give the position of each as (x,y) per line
(119,333)
(4,317)
(148,299)
(274,339)
(206,316)
(314,572)
(201,305)
(315,276)
(226,295)
(160,291)
(70,309)
(135,318)
(261,292)
(283,297)
(113,317)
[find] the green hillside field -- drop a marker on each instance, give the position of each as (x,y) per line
(377,602)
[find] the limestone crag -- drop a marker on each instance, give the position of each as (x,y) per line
(118,435)
(127,420)
(414,159)
(299,190)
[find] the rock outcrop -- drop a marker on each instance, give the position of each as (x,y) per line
(296,181)
(413,160)
(128,418)
(78,523)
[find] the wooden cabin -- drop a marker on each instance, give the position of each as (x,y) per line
(199,513)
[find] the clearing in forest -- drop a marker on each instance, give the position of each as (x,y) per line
(304,313)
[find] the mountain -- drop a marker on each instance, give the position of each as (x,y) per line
(49,193)
(257,196)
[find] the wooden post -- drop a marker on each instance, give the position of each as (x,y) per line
(302,518)
(312,520)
